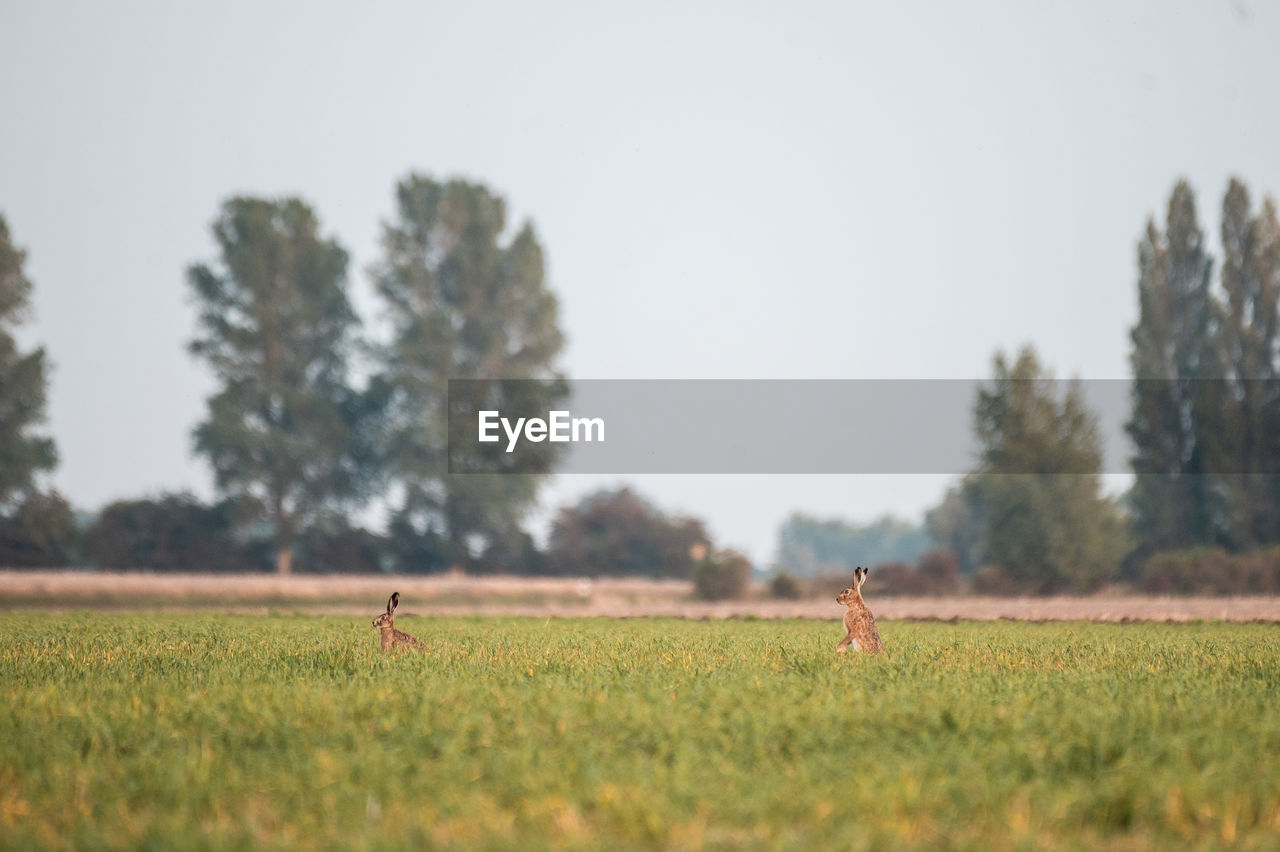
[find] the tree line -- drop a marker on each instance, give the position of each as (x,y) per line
(1203,513)
(312,418)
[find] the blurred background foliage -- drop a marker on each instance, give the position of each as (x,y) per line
(312,416)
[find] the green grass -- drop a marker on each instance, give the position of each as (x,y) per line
(195,731)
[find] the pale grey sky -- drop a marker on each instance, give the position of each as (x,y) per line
(724,190)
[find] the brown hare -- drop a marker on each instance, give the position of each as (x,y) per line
(392,638)
(858,620)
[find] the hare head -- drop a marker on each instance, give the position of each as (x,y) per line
(854,592)
(386,620)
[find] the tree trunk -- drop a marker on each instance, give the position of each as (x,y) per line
(283,532)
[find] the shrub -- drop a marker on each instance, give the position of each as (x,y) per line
(620,533)
(785,586)
(994,580)
(1211,571)
(349,550)
(416,552)
(1260,571)
(939,571)
(725,575)
(894,578)
(936,574)
(172,532)
(40,533)
(830,585)
(517,553)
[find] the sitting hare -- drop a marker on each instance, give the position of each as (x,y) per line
(858,620)
(391,637)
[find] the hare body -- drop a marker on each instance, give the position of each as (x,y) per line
(391,637)
(859,623)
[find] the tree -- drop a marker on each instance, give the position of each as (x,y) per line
(464,302)
(36,528)
(1047,524)
(40,532)
(167,533)
(343,550)
(812,546)
(1176,391)
(1247,447)
(285,434)
(23,453)
(957,524)
(619,533)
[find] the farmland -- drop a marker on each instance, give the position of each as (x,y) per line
(207,730)
(618,597)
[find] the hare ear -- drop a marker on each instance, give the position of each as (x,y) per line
(393,601)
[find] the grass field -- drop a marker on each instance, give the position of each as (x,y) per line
(172,731)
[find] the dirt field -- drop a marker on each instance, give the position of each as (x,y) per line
(359,595)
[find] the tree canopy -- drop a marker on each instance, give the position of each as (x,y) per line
(619,533)
(285,433)
(1174,363)
(24,452)
(1047,525)
(465,300)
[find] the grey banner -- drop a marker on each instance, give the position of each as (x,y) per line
(742,426)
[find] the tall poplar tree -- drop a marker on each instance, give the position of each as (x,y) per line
(1248,434)
(1177,387)
(465,301)
(283,433)
(23,452)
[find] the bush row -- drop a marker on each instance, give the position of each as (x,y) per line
(936,573)
(1212,571)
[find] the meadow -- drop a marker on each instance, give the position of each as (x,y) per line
(292,731)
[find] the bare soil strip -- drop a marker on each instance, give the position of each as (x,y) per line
(544,596)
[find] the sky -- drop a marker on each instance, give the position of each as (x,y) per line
(723,190)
